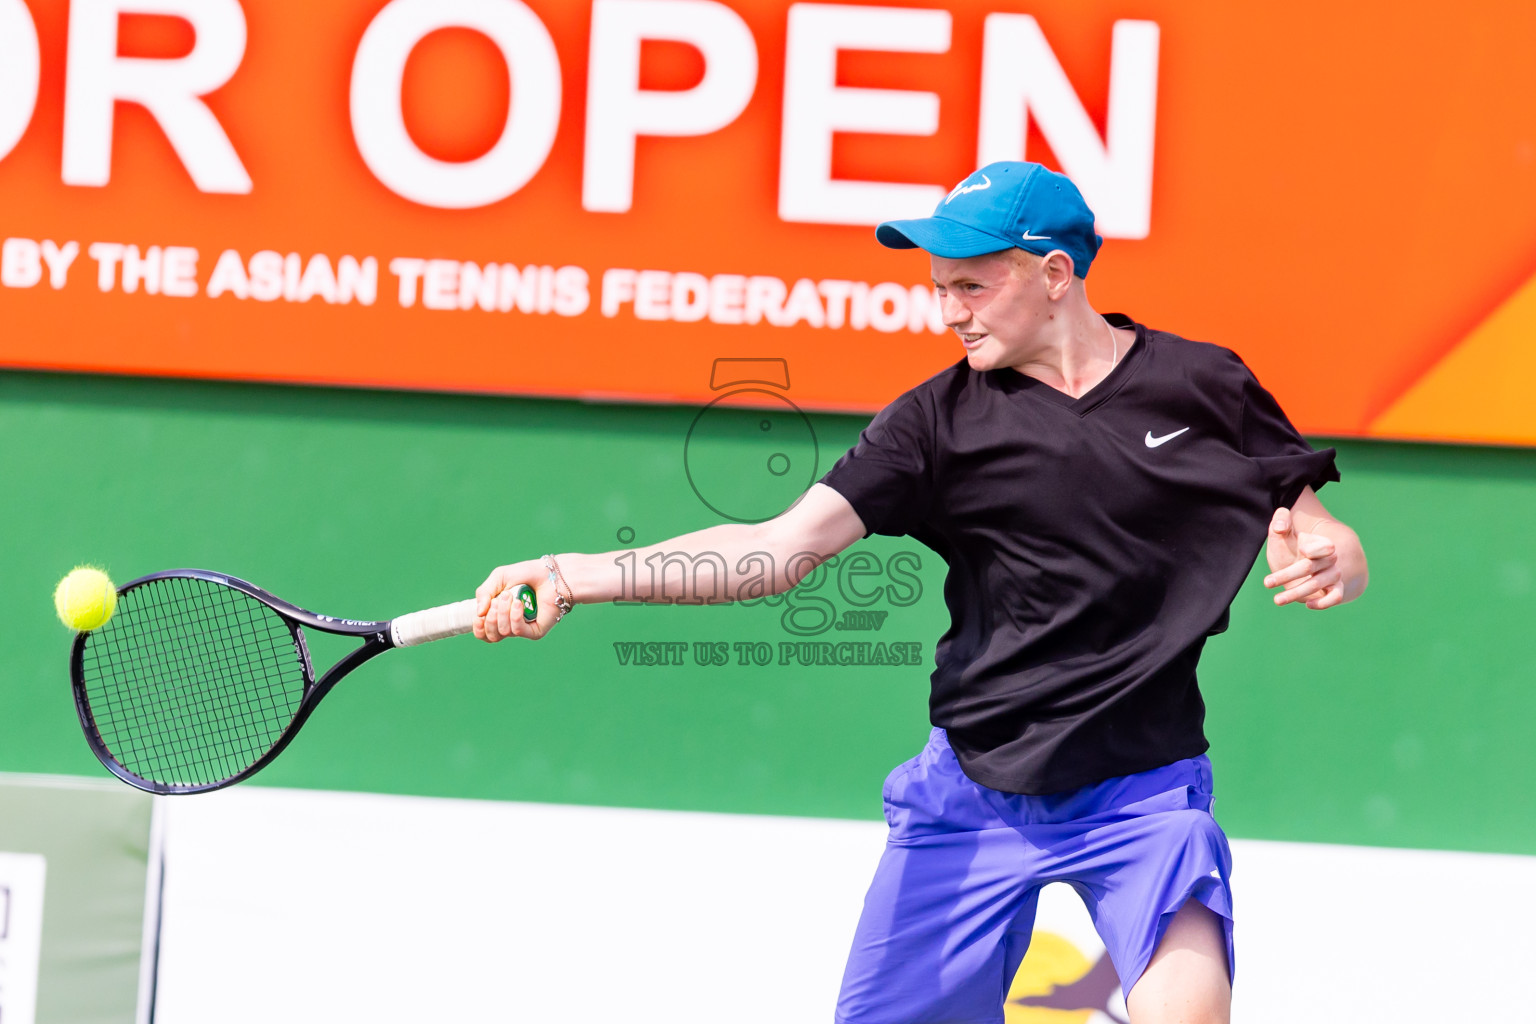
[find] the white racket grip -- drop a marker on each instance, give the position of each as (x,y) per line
(433,623)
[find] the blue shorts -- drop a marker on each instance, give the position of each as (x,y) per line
(949,914)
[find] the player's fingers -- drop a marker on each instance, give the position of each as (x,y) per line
(1324,562)
(1330,595)
(482,626)
(1309,587)
(1298,590)
(1280,545)
(493,585)
(1327,580)
(1294,592)
(509,613)
(1333,596)
(515,621)
(493,632)
(487,590)
(493,620)
(1315,545)
(1289,574)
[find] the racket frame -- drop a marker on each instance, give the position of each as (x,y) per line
(376,640)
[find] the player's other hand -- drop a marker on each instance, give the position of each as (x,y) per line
(498,616)
(1305,564)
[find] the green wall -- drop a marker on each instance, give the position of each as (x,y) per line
(1402,720)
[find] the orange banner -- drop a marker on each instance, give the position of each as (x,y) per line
(598,199)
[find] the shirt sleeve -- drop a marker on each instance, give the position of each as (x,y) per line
(888,475)
(1287,463)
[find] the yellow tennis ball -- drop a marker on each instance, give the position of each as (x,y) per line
(85,599)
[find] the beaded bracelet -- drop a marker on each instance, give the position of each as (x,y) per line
(570,595)
(563,602)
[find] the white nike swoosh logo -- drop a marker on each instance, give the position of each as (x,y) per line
(1153,442)
(1027,237)
(962,188)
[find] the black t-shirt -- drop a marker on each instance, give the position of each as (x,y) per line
(1093,544)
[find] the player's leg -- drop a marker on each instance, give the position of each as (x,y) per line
(1188,980)
(1149,848)
(949,913)
(940,938)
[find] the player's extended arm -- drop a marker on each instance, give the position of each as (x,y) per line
(713,564)
(1316,558)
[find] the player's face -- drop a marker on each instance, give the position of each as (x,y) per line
(996,304)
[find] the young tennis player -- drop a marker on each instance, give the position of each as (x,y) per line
(1099,490)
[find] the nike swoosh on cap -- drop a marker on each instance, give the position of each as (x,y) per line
(1027,237)
(1153,442)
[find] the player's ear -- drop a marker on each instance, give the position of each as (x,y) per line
(1057,268)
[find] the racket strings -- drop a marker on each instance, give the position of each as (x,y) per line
(191,681)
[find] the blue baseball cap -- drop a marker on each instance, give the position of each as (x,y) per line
(1006,205)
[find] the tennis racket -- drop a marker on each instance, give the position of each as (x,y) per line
(200,679)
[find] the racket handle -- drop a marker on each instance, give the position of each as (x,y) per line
(451,619)
(433,623)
